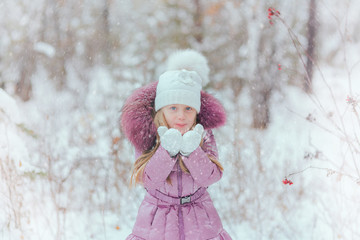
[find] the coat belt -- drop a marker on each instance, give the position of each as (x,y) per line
(177,200)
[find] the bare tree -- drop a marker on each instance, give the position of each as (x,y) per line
(311,35)
(198,28)
(58,71)
(265,78)
(27,66)
(105,32)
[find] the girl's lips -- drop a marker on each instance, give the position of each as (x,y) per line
(180,125)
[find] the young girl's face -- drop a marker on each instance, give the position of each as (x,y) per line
(179,116)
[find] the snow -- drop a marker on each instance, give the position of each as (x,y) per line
(65,165)
(9,107)
(45,49)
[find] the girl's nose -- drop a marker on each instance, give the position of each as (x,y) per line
(181,115)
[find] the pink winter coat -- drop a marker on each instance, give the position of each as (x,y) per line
(159,219)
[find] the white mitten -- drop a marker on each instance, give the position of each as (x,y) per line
(170,139)
(191,140)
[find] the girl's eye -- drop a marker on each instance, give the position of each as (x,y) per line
(173,108)
(188,108)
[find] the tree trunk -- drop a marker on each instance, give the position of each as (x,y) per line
(23,86)
(105,31)
(198,29)
(312,27)
(264,81)
(260,109)
(58,71)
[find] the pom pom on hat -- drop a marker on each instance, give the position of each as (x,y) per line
(190,60)
(182,82)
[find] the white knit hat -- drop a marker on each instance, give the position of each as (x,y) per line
(182,82)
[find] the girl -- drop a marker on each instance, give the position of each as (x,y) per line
(176,159)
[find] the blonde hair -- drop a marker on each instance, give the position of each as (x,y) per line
(140,163)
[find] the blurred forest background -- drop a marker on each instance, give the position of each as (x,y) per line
(289,81)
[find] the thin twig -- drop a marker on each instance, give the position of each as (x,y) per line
(330,172)
(341,129)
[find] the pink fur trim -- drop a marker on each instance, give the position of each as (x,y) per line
(137,124)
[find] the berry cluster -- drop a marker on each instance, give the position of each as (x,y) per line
(272,12)
(286,181)
(351,100)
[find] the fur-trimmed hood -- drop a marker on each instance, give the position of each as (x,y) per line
(136,120)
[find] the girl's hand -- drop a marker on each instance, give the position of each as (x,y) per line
(191,140)
(170,139)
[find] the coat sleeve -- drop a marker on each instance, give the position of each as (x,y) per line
(202,169)
(158,168)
